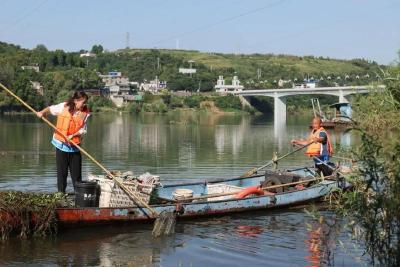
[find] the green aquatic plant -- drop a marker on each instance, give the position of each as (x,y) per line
(28,214)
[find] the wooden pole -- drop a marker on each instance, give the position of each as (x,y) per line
(262,188)
(130,193)
(255,170)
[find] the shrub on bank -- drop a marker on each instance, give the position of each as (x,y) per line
(228,102)
(176,102)
(158,107)
(96,103)
(193,101)
(165,103)
(134,107)
(150,98)
(249,110)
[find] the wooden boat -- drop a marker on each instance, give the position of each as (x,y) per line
(207,206)
(341,118)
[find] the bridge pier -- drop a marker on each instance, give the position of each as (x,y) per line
(279,110)
(342,97)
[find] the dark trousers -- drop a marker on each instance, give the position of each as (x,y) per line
(65,161)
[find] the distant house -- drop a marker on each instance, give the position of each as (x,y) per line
(153,86)
(221,87)
(31,67)
(187,70)
(281,83)
(119,88)
(87,54)
(306,84)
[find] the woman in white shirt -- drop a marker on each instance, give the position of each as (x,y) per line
(71,122)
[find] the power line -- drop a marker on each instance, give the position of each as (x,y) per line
(204,27)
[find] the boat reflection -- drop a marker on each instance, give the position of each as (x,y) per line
(251,231)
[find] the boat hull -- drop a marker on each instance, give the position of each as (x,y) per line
(69,217)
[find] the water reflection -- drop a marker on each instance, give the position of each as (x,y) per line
(280,134)
(232,136)
(178,147)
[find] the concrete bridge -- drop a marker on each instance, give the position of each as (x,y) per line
(280,96)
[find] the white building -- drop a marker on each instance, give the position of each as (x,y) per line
(153,86)
(31,67)
(306,84)
(87,54)
(187,70)
(221,87)
(114,78)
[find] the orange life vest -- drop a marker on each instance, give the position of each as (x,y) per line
(69,124)
(315,149)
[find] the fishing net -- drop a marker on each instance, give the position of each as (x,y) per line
(164,224)
(28,213)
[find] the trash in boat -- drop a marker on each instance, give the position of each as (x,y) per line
(111,195)
(213,189)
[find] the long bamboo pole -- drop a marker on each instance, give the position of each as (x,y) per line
(131,194)
(262,188)
(255,170)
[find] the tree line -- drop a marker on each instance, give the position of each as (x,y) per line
(61,71)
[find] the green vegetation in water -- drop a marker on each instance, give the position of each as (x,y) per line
(28,214)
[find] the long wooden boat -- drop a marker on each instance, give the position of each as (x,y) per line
(205,207)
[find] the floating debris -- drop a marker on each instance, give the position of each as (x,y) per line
(28,214)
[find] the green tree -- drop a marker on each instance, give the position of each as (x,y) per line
(97,49)
(41,48)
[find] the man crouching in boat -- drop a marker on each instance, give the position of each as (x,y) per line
(71,121)
(320,149)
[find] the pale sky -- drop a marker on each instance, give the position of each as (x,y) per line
(338,29)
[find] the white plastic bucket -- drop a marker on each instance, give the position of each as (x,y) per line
(182,194)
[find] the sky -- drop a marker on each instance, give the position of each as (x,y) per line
(341,29)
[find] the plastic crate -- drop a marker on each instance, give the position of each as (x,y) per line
(113,196)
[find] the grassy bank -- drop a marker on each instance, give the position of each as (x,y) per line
(196,102)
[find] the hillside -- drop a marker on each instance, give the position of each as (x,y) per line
(271,66)
(60,71)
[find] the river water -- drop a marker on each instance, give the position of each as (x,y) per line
(178,147)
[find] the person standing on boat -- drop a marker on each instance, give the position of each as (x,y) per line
(71,121)
(321,147)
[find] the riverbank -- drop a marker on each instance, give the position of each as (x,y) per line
(165,103)
(192,102)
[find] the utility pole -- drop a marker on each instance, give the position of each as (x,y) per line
(258,73)
(190,63)
(158,63)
